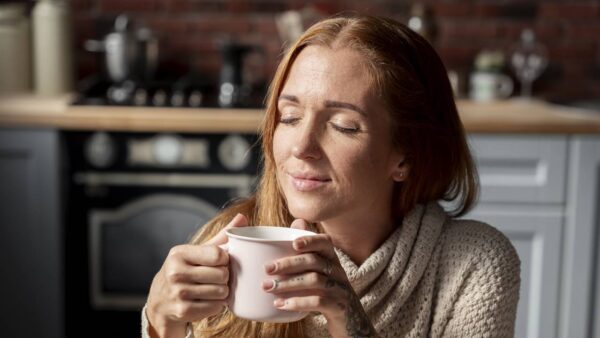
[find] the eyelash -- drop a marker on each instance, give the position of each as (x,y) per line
(293,120)
(289,120)
(345,130)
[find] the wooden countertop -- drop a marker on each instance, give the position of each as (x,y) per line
(510,116)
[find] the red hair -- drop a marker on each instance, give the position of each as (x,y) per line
(412,82)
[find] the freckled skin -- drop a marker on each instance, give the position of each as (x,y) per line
(360,165)
(349,147)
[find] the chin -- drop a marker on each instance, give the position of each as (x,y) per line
(309,211)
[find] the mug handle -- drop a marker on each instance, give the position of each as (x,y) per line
(225,246)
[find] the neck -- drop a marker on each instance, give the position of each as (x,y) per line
(359,237)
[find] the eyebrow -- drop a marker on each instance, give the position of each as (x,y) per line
(328,103)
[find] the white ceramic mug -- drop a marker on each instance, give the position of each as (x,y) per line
(490,86)
(250,248)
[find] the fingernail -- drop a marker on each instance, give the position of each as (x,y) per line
(268,285)
(299,244)
(279,302)
(270,268)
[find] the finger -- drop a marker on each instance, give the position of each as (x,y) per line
(316,243)
(182,273)
(297,264)
(311,281)
(321,304)
(208,275)
(300,224)
(200,292)
(238,221)
(198,255)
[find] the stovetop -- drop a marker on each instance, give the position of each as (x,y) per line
(183,92)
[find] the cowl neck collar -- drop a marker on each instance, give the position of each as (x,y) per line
(388,277)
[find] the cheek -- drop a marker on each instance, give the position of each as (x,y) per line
(351,162)
(364,165)
(278,147)
(374,160)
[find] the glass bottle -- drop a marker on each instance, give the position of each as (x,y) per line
(529,59)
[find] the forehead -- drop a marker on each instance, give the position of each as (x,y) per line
(338,73)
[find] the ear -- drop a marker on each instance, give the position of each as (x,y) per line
(401,170)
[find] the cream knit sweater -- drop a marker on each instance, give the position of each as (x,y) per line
(435,277)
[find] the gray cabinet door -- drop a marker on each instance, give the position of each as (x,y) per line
(521,168)
(31,282)
(535,233)
(581,241)
(523,179)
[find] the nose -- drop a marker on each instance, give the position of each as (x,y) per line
(306,146)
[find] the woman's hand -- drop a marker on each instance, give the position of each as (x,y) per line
(315,281)
(190,286)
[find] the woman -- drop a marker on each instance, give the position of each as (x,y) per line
(361,138)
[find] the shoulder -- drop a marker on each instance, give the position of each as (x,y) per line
(478,280)
(477,238)
(479,247)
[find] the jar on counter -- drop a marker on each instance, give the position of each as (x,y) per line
(15,51)
(52,48)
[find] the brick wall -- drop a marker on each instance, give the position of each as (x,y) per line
(190,31)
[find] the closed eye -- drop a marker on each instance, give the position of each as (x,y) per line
(289,120)
(345,130)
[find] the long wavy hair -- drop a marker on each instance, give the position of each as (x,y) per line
(411,80)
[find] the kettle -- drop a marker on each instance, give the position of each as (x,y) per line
(129,55)
(233,90)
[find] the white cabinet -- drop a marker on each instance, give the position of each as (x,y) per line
(542,192)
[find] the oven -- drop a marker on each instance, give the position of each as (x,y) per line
(130,198)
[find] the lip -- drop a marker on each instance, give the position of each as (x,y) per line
(308,181)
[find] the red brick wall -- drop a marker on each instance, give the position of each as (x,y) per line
(190,31)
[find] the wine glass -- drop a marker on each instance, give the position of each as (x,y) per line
(529,59)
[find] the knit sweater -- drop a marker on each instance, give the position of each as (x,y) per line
(435,277)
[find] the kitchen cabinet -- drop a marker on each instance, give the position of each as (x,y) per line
(542,192)
(31,283)
(540,185)
(536,237)
(579,315)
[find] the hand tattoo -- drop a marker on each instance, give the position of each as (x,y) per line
(358,324)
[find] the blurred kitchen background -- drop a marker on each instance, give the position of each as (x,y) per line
(189,38)
(126,124)
(190,33)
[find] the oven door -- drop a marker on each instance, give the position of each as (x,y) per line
(127,245)
(119,230)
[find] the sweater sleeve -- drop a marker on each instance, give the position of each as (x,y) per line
(486,304)
(146,326)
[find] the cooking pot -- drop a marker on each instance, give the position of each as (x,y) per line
(128,55)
